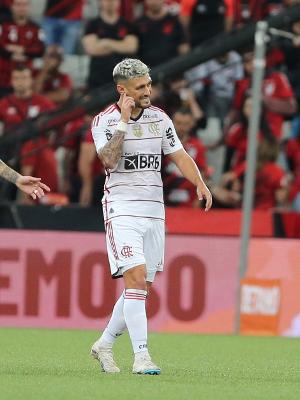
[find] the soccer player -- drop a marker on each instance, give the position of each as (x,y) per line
(27,184)
(129,137)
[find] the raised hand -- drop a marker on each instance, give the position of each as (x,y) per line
(127,104)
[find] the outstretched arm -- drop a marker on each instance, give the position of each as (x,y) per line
(190,171)
(8,173)
(27,184)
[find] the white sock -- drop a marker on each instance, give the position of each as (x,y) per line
(135,318)
(116,325)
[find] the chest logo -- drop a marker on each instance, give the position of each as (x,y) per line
(137,130)
(153,128)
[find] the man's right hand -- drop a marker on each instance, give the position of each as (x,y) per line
(127,104)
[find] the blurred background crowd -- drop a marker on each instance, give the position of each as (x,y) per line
(54,51)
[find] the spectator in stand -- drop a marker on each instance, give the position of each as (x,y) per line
(20,106)
(70,140)
(271,188)
(83,174)
(91,172)
(278,97)
(50,81)
(261,9)
(62,23)
(21,40)
(240,12)
(215,80)
(178,94)
(159,26)
(107,39)
(177,190)
(203,19)
(237,137)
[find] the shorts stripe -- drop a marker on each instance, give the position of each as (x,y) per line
(110,234)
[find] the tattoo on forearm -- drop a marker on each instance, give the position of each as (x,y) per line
(7,173)
(111,153)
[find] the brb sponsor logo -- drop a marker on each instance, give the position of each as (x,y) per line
(142,162)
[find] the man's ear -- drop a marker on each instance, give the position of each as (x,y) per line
(121,89)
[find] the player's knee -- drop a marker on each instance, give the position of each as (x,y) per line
(136,279)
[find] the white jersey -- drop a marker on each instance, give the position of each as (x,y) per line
(134,188)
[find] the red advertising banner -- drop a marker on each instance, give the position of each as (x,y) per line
(59,279)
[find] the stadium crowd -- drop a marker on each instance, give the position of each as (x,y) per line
(32,82)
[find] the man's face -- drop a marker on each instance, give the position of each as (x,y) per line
(20,8)
(183,124)
(21,81)
(139,89)
(155,6)
(52,61)
(110,6)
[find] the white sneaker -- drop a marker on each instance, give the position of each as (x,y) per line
(144,365)
(106,358)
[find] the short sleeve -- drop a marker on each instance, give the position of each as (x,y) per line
(101,133)
(170,141)
(283,87)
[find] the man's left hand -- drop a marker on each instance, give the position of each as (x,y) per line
(204,193)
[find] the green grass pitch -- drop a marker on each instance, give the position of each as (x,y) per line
(55,364)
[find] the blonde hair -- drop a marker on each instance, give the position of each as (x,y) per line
(129,68)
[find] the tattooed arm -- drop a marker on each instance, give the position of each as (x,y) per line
(8,173)
(27,184)
(111,153)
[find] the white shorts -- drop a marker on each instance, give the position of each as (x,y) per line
(133,241)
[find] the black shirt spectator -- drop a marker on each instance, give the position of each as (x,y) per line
(161,36)
(203,19)
(107,39)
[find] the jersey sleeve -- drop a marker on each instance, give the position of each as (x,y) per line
(283,87)
(101,133)
(170,141)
